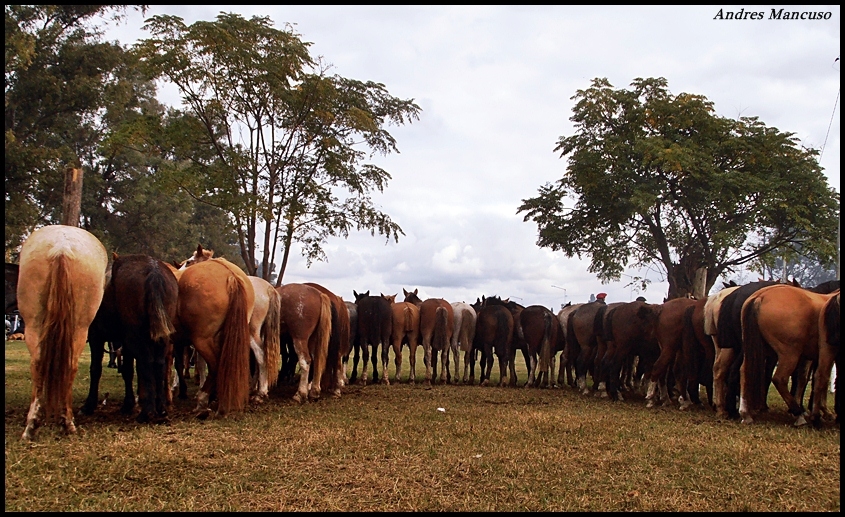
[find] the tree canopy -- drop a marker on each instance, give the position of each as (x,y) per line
(656,179)
(275,141)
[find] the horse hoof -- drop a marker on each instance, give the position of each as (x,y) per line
(297,397)
(203,414)
(385,381)
(650,404)
(800,422)
(336,393)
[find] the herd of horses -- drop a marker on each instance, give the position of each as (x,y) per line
(249,336)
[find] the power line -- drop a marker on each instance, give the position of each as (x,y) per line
(828,126)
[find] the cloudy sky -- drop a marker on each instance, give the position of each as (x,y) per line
(495,86)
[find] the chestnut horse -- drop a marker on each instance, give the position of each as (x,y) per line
(406,331)
(138,311)
(60,286)
(333,376)
(216,300)
(306,316)
(437,322)
(785,318)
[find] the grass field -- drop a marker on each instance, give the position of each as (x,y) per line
(389,448)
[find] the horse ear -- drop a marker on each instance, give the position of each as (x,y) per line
(199,250)
(177,264)
(416,291)
(114,255)
(355,294)
(404,291)
(367,293)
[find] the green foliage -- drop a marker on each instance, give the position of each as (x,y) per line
(660,179)
(62,83)
(271,138)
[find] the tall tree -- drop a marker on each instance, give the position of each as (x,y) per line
(277,142)
(61,79)
(659,179)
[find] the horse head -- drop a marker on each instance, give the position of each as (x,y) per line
(201,255)
(360,296)
(389,297)
(412,297)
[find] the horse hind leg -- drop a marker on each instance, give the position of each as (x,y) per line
(260,386)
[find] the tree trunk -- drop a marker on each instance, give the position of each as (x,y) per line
(699,284)
(72,197)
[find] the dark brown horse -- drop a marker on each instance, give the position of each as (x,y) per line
(60,286)
(599,375)
(694,363)
(630,330)
(305,319)
(437,322)
(783,319)
(517,339)
(493,335)
(140,300)
(375,325)
(540,330)
(581,341)
(670,333)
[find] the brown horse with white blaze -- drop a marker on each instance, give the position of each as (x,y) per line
(60,286)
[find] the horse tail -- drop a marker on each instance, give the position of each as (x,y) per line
(725,330)
(754,356)
(598,322)
(607,327)
(338,334)
(55,364)
(324,337)
(440,323)
(156,292)
(270,329)
(233,365)
(546,345)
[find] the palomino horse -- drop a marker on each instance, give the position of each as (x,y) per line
(406,331)
(138,310)
(437,322)
(375,325)
(306,316)
(829,338)
(785,318)
(567,362)
(216,300)
(493,334)
(462,336)
(60,286)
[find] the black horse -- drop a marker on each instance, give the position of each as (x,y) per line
(375,324)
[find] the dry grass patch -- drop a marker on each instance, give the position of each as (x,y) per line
(388,448)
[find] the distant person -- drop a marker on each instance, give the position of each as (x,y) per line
(592,297)
(600,297)
(640,298)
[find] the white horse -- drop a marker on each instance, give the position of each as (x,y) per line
(462,337)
